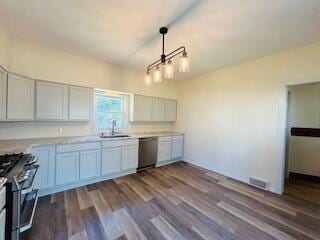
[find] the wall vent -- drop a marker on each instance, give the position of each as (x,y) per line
(258,182)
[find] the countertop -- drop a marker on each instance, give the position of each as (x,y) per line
(25,145)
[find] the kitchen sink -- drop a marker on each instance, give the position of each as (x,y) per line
(114,136)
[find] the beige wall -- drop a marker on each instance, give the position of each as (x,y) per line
(234,119)
(5,47)
(48,64)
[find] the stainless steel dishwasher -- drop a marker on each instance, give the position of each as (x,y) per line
(148,151)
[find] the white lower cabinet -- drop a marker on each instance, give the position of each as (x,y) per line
(46,157)
(129,158)
(111,160)
(67,168)
(164,151)
(177,149)
(90,164)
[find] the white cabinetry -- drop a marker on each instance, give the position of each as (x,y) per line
(90,164)
(51,101)
(80,103)
(158,109)
(46,161)
(141,108)
(177,147)
(111,160)
(152,109)
(3,93)
(67,168)
(171,110)
(20,98)
(164,150)
(170,149)
(120,155)
(129,157)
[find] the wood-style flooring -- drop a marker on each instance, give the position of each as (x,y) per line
(302,188)
(176,202)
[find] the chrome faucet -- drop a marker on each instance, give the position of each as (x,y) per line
(114,123)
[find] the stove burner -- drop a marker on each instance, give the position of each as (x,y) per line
(8,161)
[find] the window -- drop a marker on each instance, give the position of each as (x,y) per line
(107,109)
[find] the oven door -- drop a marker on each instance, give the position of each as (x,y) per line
(24,202)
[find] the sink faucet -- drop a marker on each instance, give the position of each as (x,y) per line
(114,123)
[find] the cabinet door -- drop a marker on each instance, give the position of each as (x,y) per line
(177,149)
(158,109)
(67,168)
(45,177)
(164,151)
(142,108)
(20,99)
(3,93)
(171,110)
(111,160)
(80,103)
(90,164)
(52,101)
(129,158)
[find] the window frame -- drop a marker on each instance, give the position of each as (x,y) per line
(110,94)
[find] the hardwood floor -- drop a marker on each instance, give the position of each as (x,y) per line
(178,201)
(304,189)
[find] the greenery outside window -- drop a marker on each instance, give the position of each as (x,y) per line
(108,108)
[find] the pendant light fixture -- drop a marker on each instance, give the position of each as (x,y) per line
(166,62)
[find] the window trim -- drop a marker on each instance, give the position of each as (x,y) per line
(125,111)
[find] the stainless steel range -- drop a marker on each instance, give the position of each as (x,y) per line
(20,170)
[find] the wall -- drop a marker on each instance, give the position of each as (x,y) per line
(5,47)
(48,64)
(304,112)
(234,119)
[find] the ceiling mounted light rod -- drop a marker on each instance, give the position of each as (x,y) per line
(166,60)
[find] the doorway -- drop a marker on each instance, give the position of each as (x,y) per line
(302,165)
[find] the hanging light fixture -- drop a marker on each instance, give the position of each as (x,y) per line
(168,70)
(157,75)
(148,79)
(166,61)
(184,63)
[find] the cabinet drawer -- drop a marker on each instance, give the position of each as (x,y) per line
(77,147)
(177,138)
(2,197)
(164,139)
(119,143)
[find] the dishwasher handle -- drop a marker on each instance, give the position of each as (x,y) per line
(147,139)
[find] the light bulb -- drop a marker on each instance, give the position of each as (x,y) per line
(148,79)
(168,71)
(157,75)
(184,63)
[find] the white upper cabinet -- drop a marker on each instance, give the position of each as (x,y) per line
(171,110)
(52,101)
(80,103)
(3,93)
(158,109)
(152,109)
(141,108)
(20,98)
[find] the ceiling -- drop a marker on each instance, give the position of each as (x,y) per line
(216,33)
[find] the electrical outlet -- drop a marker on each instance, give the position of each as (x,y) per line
(61,130)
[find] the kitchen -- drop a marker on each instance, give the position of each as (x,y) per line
(111,135)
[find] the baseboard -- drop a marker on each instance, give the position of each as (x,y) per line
(304,177)
(168,162)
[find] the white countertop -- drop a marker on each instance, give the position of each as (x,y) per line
(25,145)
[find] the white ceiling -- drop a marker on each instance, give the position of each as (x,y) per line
(125,32)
